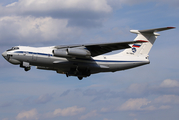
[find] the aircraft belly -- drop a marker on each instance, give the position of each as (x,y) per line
(124,66)
(117,66)
(47,61)
(64,65)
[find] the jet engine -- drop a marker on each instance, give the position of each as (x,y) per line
(60,53)
(78,52)
(71,52)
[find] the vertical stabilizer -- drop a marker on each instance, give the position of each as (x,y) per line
(148,36)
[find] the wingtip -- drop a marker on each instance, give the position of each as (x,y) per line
(171,27)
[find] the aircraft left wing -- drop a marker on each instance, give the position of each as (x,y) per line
(99,49)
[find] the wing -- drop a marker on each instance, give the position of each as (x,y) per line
(99,49)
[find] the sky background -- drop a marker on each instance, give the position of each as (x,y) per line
(149,92)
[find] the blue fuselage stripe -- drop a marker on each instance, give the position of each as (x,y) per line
(44,54)
(33,53)
(114,61)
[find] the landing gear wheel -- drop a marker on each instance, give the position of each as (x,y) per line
(67,74)
(80,78)
(27,68)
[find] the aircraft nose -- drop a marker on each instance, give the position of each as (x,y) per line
(4,54)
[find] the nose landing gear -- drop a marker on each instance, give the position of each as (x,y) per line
(27,68)
(25,65)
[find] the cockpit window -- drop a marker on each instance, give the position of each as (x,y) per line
(13,48)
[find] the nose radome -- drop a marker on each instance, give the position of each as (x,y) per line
(4,54)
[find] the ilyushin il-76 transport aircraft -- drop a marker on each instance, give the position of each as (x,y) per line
(86,59)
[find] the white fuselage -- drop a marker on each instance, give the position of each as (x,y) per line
(43,58)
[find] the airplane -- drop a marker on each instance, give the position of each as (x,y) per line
(86,59)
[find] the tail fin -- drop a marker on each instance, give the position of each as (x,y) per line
(148,36)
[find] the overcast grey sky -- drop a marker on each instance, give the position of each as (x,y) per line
(150,92)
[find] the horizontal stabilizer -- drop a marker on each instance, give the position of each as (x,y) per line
(156,30)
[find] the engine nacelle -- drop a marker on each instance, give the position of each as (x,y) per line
(60,53)
(71,52)
(78,52)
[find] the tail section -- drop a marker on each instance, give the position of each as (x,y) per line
(148,37)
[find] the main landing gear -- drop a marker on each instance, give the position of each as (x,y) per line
(79,72)
(80,78)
